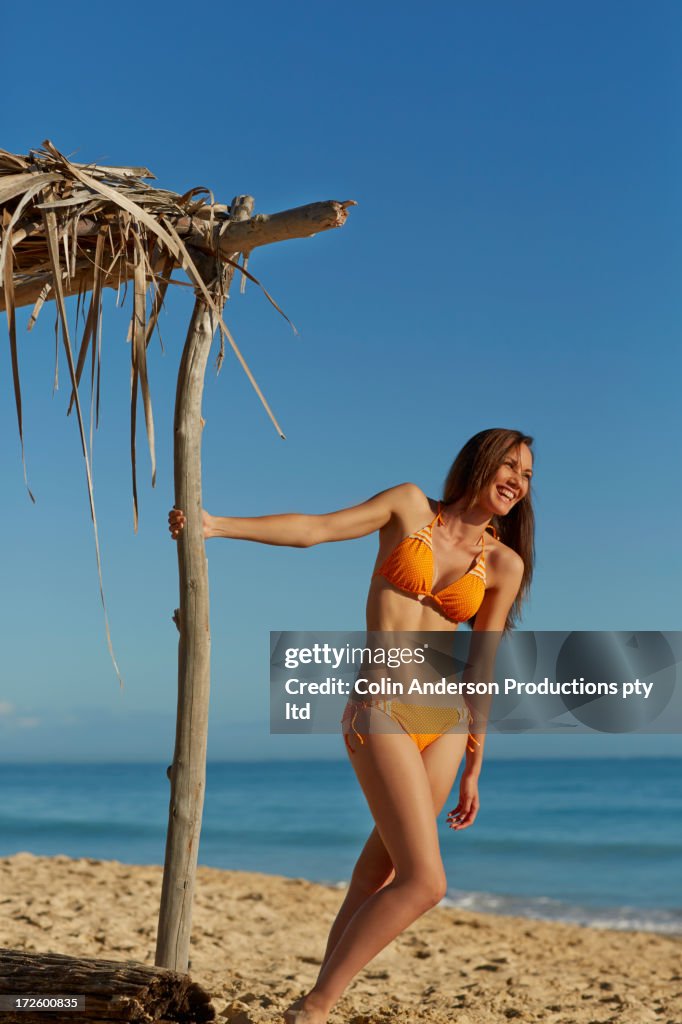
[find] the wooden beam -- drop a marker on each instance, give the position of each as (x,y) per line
(227,236)
(264,229)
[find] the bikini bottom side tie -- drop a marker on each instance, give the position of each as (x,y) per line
(423,724)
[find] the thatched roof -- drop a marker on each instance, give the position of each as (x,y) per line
(68,229)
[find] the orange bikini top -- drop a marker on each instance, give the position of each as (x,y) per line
(410,567)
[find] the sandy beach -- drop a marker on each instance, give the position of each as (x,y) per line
(257,939)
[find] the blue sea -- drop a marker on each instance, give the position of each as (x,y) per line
(591,841)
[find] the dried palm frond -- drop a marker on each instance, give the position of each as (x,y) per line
(68,228)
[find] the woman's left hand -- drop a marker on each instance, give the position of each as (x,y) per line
(466,810)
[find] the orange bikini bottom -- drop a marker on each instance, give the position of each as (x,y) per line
(423,724)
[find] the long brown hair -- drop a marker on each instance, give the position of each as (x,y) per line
(471,472)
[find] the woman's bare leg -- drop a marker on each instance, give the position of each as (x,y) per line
(393,775)
(374,868)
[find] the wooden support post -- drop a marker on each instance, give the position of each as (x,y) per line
(188,771)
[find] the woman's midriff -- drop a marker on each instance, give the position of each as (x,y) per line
(391,611)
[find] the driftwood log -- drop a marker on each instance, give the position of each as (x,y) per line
(114,991)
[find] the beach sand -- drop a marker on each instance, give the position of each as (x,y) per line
(257,940)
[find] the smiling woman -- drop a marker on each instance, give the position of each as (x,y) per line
(501,463)
(467,557)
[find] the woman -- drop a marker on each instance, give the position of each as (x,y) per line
(437,566)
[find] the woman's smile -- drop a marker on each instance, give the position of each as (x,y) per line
(512,480)
(506,493)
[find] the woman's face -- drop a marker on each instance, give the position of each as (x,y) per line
(511,482)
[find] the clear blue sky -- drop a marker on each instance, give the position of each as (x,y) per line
(514,260)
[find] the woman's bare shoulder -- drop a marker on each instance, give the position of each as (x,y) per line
(409,508)
(410,492)
(410,498)
(505,562)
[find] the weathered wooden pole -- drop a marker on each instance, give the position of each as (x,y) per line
(188,771)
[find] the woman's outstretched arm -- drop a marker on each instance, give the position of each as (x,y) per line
(293,529)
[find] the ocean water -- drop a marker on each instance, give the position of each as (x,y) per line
(592,841)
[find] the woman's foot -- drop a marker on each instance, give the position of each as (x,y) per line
(306,1010)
